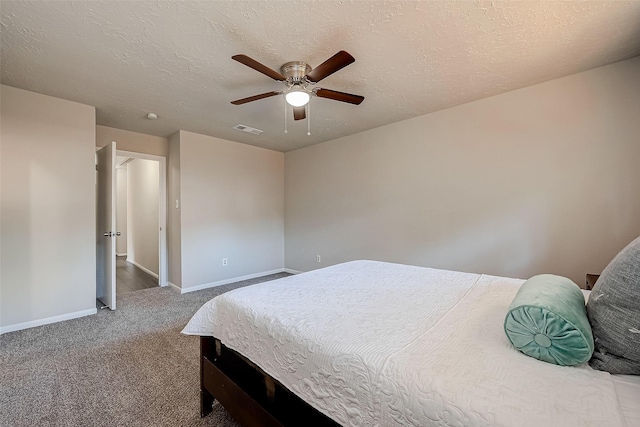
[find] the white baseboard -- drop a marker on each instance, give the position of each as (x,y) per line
(227,281)
(124,254)
(82,313)
(146,270)
(47,320)
(174,287)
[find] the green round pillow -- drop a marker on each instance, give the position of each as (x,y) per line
(547,320)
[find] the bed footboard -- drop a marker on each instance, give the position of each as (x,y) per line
(251,396)
(207,347)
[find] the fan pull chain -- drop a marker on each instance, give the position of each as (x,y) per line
(309,118)
(285,114)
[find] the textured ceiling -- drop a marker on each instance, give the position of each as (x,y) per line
(174,58)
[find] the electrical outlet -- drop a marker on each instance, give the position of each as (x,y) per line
(224,262)
(318,259)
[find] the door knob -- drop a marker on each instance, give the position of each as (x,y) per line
(118,233)
(107,234)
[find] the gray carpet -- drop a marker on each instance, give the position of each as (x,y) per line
(129,367)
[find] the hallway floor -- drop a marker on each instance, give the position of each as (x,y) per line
(130,278)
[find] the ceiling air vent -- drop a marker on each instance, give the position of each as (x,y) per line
(248,129)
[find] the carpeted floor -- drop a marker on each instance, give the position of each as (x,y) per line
(129,367)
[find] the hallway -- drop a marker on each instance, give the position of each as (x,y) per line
(130,278)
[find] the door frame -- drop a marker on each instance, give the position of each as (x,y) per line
(163,274)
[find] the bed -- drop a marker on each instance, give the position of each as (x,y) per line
(368,343)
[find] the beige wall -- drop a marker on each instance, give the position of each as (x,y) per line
(232,206)
(47,209)
(174,239)
(540,180)
(121,210)
(143,213)
(132,141)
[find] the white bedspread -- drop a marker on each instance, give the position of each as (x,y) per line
(379,344)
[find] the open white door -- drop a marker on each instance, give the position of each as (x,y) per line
(106,226)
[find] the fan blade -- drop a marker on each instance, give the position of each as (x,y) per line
(299,113)
(252,63)
(330,66)
(254,98)
(339,96)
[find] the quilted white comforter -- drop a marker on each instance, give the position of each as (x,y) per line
(378,344)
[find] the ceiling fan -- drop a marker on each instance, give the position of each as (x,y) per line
(300,78)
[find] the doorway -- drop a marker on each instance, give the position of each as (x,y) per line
(143,245)
(137,219)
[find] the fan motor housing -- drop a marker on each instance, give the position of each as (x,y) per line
(295,70)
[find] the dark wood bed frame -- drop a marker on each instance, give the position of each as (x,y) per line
(250,395)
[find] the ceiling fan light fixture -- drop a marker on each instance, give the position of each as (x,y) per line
(297,98)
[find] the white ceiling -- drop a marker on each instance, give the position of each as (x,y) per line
(174,58)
